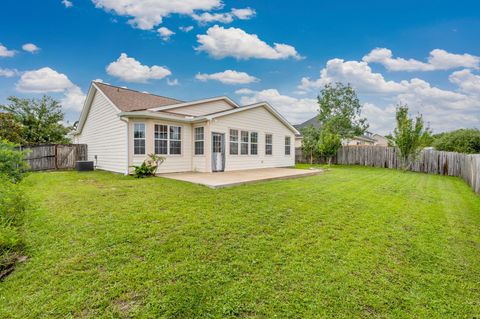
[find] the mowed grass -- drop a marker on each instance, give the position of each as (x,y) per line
(353,242)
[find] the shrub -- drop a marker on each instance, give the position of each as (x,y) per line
(461,141)
(12,210)
(12,161)
(149,166)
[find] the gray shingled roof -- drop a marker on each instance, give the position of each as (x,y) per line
(313,121)
(130,100)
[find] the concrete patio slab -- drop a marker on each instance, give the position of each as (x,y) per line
(234,178)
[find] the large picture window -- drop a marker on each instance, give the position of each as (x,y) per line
(253,143)
(199,140)
(139,138)
(268,144)
(175,140)
(244,143)
(233,142)
(287,145)
(161,139)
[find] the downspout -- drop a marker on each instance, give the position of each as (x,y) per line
(128,144)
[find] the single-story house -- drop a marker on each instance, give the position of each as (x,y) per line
(122,126)
(367,138)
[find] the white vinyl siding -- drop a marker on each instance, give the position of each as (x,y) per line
(263,122)
(106,136)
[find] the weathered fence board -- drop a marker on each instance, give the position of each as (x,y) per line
(49,157)
(429,161)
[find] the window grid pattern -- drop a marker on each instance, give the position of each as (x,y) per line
(139,139)
(253,143)
(268,144)
(161,139)
(244,143)
(233,142)
(175,140)
(287,145)
(199,141)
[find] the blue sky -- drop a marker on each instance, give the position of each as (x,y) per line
(425,54)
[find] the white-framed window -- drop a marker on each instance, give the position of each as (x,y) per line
(139,138)
(244,143)
(253,143)
(287,145)
(233,142)
(268,144)
(175,137)
(168,139)
(199,140)
(161,139)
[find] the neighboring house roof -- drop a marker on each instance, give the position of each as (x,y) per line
(313,121)
(128,100)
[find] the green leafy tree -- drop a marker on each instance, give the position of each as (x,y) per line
(410,135)
(311,135)
(41,120)
(340,110)
(461,141)
(328,144)
(12,161)
(10,129)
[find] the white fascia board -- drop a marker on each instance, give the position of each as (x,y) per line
(154,115)
(174,106)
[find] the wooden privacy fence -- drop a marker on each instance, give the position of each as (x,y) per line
(55,156)
(429,161)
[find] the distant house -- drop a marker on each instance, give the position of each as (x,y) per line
(366,139)
(122,126)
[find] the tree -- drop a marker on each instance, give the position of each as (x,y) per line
(340,110)
(410,135)
(311,135)
(461,141)
(41,119)
(10,129)
(328,144)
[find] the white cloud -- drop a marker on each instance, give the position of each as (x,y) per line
(8,73)
(294,109)
(173,82)
(443,109)
(357,73)
(186,29)
(6,53)
(228,77)
(30,47)
(47,80)
(165,33)
(67,3)
(131,70)
(146,15)
(225,17)
(467,81)
(438,60)
(220,43)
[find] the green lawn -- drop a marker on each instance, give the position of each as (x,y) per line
(353,242)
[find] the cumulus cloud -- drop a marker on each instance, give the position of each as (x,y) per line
(130,70)
(146,15)
(6,53)
(165,33)
(294,109)
(228,77)
(30,47)
(47,80)
(444,109)
(358,73)
(438,60)
(225,17)
(186,28)
(220,43)
(8,73)
(173,82)
(67,3)
(467,81)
